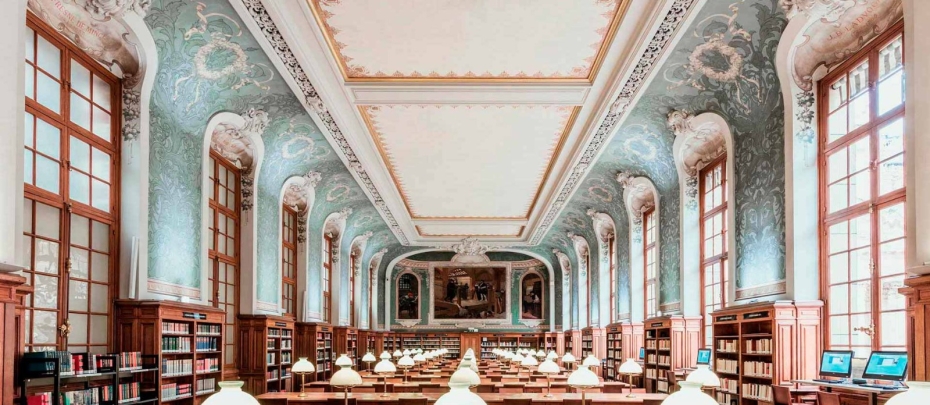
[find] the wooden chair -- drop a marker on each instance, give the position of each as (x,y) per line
(518,401)
(827,398)
(412,401)
(781,395)
(434,390)
(438,380)
(510,390)
(533,390)
(408,388)
(567,401)
(314,389)
(363,389)
(672,381)
(558,390)
(394,380)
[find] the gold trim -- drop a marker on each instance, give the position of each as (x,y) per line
(485,235)
(376,137)
(619,14)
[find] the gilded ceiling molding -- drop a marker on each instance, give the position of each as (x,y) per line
(637,80)
(312,99)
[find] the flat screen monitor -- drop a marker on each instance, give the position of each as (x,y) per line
(703,356)
(642,353)
(836,363)
(886,366)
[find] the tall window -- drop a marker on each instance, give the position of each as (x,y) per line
(714,248)
(223,252)
(70,209)
(862,180)
(611,246)
(327,277)
(289,260)
(649,254)
(371,297)
(353,261)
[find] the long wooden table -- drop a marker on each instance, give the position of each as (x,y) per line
(841,388)
(285,398)
(607,387)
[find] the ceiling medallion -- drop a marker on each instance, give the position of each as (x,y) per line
(470,251)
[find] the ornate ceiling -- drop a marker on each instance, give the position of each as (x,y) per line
(468,118)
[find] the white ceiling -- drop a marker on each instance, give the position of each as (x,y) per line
(467,114)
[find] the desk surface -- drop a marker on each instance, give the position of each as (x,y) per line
(432,397)
(485,383)
(851,387)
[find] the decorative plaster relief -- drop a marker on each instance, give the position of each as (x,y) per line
(236,144)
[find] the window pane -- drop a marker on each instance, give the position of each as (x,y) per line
(80,187)
(101,167)
(48,139)
(891,175)
(860,231)
(893,329)
(858,324)
(80,78)
(860,262)
(98,329)
(29,81)
(46,292)
(891,139)
(30,44)
(101,192)
(100,267)
(101,298)
(80,111)
(80,155)
(839,237)
(48,221)
(839,330)
(102,124)
(859,111)
(839,270)
(839,299)
(892,258)
(101,93)
(837,166)
(860,297)
(46,256)
(80,263)
(49,57)
(891,92)
(101,237)
(891,299)
(47,172)
(49,92)
(44,327)
(77,296)
(838,195)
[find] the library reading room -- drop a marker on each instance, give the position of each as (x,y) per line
(465,202)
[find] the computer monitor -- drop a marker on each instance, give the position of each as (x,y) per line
(642,353)
(703,356)
(890,366)
(836,363)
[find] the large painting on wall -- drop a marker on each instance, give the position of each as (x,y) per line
(531,297)
(408,297)
(470,293)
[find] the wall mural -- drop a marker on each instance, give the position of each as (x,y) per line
(408,297)
(532,299)
(470,293)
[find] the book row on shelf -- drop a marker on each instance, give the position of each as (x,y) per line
(176,328)
(759,346)
(665,344)
(727,366)
(651,373)
(757,391)
(285,358)
(727,346)
(280,333)
(206,385)
(208,365)
(271,359)
(207,344)
(68,364)
(729,385)
(662,386)
(757,368)
(208,329)
(130,360)
(287,344)
(171,368)
(724,398)
(89,396)
(175,344)
(175,390)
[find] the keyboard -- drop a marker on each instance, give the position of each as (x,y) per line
(828,381)
(880,386)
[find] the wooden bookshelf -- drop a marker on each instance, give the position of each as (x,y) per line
(389,343)
(671,343)
(614,356)
(764,344)
(554,341)
(569,344)
(433,341)
(345,341)
(187,340)
(315,342)
(594,342)
(266,353)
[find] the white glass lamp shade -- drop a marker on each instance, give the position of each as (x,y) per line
(540,354)
(583,377)
(917,393)
(398,354)
(419,358)
(704,376)
(407,352)
(419,351)
(689,394)
(568,358)
(385,366)
(630,367)
(385,355)
(460,396)
(529,361)
(464,376)
(345,377)
(231,393)
(549,367)
(591,361)
(470,351)
(405,361)
(303,366)
(552,356)
(344,361)
(517,358)
(368,358)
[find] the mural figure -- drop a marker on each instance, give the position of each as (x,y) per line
(470,293)
(408,297)
(532,293)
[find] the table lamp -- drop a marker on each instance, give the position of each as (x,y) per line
(369,358)
(231,393)
(419,359)
(917,393)
(541,354)
(459,392)
(385,355)
(529,362)
(568,359)
(346,377)
(517,358)
(302,367)
(591,361)
(630,368)
(398,354)
(552,355)
(465,375)
(690,394)
(702,374)
(583,378)
(549,367)
(405,363)
(384,368)
(407,352)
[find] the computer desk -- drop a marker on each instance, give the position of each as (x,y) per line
(872,393)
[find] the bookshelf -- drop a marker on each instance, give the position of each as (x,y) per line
(614,351)
(389,343)
(760,345)
(569,344)
(433,341)
(671,343)
(62,377)
(185,340)
(553,341)
(346,342)
(509,341)
(315,341)
(266,353)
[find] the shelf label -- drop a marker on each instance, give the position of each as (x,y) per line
(754,315)
(656,324)
(280,324)
(194,315)
(726,318)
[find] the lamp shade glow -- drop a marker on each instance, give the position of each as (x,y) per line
(704,376)
(568,358)
(460,396)
(303,366)
(549,367)
(529,361)
(385,355)
(583,378)
(407,352)
(398,353)
(630,367)
(344,361)
(464,376)
(517,358)
(419,358)
(917,393)
(385,366)
(345,377)
(405,361)
(591,361)
(540,353)
(231,393)
(368,358)
(689,394)
(552,355)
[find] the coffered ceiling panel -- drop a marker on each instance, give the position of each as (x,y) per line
(467,229)
(423,40)
(468,161)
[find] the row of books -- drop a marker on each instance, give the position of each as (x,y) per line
(662,386)
(168,327)
(130,360)
(271,374)
(174,390)
(271,358)
(726,399)
(280,332)
(727,366)
(758,391)
(651,373)
(206,385)
(206,329)
(129,392)
(177,367)
(729,384)
(286,358)
(287,344)
(206,365)
(665,344)
(206,344)
(757,368)
(175,344)
(758,346)
(728,346)
(66,362)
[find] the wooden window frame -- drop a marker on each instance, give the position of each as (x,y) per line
(216,258)
(69,53)
(353,260)
(611,250)
(290,305)
(648,219)
(722,258)
(876,202)
(328,240)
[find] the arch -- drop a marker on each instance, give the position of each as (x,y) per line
(583,254)
(374,264)
(639,196)
(334,225)
(605,231)
(566,266)
(394,261)
(300,193)
(354,294)
(699,140)
(419,289)
(533,272)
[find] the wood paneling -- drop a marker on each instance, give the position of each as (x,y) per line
(917,292)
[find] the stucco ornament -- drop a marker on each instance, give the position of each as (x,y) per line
(470,251)
(221,58)
(701,143)
(106,9)
(805,114)
(641,199)
(237,144)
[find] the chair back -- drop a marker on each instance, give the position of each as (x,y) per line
(827,398)
(510,390)
(394,380)
(509,380)
(558,390)
(435,390)
(438,380)
(314,389)
(781,394)
(412,401)
(363,389)
(672,381)
(518,401)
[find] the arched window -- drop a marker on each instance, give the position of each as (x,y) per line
(371,296)
(650,254)
(353,261)
(223,246)
(612,267)
(713,202)
(408,296)
(862,195)
(71,176)
(532,297)
(328,277)
(289,260)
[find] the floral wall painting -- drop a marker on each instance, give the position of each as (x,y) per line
(531,297)
(408,297)
(470,293)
